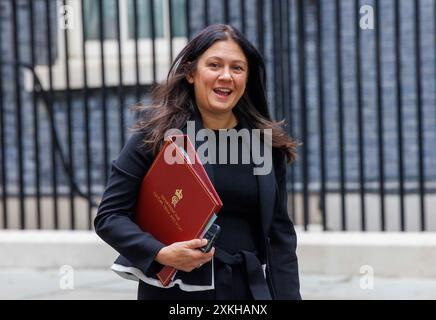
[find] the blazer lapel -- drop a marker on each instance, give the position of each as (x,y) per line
(267,193)
(266,184)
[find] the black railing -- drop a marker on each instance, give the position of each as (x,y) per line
(357,98)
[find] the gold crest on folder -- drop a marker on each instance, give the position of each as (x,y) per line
(177,196)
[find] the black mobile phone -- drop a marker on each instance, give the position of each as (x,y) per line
(211,236)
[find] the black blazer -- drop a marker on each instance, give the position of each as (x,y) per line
(114,222)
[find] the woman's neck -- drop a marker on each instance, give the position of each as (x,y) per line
(214,122)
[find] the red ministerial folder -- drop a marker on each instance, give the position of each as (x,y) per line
(176,199)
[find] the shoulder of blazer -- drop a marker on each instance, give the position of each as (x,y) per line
(134,157)
(138,138)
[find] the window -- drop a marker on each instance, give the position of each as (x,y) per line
(92,42)
(144,18)
(161,18)
(91,15)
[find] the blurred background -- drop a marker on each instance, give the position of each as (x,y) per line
(354,80)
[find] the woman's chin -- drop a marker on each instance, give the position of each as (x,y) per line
(223,107)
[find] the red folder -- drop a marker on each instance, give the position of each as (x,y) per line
(176,199)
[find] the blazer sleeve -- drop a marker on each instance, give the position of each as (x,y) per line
(283,242)
(114,221)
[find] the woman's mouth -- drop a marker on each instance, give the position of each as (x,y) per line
(223,92)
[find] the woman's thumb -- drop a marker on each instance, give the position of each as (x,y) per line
(196,243)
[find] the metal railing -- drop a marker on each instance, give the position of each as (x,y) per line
(327,77)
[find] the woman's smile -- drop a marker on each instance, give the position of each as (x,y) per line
(222,93)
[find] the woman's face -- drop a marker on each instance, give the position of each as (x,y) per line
(220,77)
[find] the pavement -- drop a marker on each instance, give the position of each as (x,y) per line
(103,284)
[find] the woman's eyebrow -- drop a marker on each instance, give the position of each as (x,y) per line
(221,59)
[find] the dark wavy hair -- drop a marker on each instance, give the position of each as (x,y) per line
(173,101)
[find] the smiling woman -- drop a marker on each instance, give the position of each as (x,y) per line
(217,81)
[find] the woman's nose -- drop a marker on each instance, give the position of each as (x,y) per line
(226,76)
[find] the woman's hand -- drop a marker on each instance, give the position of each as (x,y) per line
(185,255)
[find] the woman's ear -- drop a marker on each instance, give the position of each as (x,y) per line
(190,78)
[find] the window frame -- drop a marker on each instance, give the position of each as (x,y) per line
(93,52)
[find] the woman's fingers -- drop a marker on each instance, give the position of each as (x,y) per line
(198,257)
(206,257)
(196,243)
(209,255)
(185,255)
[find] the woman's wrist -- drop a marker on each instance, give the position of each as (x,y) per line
(161,256)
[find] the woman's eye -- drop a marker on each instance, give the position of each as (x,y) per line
(213,65)
(238,68)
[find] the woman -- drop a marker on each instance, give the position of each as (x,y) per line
(217,81)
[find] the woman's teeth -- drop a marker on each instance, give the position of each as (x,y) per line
(223,92)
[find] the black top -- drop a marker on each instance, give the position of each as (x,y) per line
(236,185)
